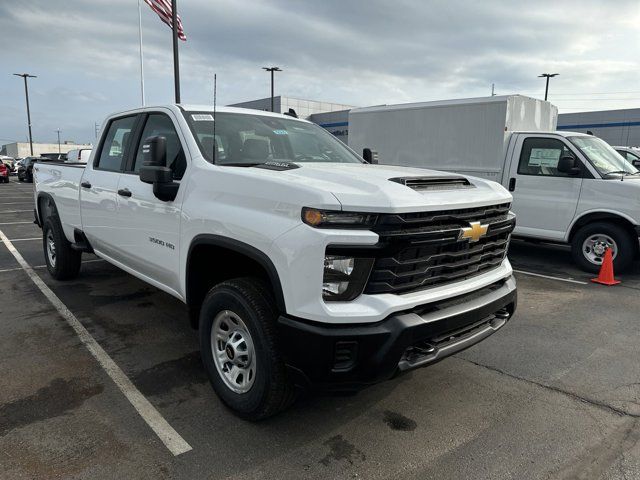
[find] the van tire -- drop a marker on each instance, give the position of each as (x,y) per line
(626,245)
(251,302)
(65,263)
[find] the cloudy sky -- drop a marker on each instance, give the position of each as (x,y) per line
(364,52)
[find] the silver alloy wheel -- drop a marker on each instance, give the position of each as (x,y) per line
(233,351)
(594,247)
(51,249)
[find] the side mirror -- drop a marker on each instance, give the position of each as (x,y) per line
(154,169)
(370,156)
(636,163)
(568,165)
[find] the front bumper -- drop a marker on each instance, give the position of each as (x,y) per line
(350,357)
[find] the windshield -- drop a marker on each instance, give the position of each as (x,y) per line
(247,139)
(603,156)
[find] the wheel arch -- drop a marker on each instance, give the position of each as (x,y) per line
(601,216)
(43,211)
(232,258)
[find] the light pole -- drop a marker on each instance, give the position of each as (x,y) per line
(58,130)
(272,69)
(547,76)
(26,94)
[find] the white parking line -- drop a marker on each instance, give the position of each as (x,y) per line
(24,239)
(172,439)
(16,223)
(551,278)
(44,266)
(15,203)
(15,211)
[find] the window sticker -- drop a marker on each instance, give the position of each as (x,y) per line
(202,117)
(281,132)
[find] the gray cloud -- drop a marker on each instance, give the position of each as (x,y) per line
(356,52)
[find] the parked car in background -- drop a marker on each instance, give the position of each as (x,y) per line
(25,171)
(78,155)
(631,154)
(4,173)
(8,161)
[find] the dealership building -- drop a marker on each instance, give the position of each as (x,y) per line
(616,127)
(22,149)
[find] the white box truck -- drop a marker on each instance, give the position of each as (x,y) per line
(567,187)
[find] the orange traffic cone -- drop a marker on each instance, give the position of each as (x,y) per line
(605,277)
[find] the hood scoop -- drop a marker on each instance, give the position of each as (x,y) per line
(434,183)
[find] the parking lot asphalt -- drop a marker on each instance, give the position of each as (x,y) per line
(555,394)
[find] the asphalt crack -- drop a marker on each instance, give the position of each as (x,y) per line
(572,395)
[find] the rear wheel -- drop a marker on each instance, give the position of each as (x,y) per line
(62,261)
(240,351)
(590,243)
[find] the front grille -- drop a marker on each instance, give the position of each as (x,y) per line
(423,250)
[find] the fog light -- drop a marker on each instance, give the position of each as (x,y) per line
(344,277)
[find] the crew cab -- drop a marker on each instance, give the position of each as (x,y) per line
(302,265)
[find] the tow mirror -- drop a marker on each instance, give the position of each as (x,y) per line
(154,169)
(568,165)
(370,156)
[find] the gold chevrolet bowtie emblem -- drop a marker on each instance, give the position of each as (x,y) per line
(474,231)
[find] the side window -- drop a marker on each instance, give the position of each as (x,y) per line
(159,124)
(540,156)
(116,143)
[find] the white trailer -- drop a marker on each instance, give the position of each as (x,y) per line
(563,183)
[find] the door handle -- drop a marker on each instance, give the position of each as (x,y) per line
(512,184)
(124,192)
(85,185)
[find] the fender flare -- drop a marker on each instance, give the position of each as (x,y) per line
(584,214)
(38,214)
(245,249)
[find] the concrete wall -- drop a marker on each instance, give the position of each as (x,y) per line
(616,127)
(21,150)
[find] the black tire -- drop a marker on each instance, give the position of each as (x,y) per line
(271,391)
(626,245)
(19,179)
(66,263)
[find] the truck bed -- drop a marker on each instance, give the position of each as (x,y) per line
(62,182)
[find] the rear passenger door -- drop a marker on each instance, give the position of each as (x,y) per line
(153,226)
(99,186)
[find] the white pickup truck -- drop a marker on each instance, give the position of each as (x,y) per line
(301,264)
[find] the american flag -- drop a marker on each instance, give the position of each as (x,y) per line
(163,9)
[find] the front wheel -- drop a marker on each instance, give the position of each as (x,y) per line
(239,348)
(590,243)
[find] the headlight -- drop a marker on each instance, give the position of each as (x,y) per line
(337,219)
(344,277)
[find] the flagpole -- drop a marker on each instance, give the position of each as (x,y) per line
(141,54)
(176,63)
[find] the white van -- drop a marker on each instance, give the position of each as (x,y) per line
(567,187)
(78,155)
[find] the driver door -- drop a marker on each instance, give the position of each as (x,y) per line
(544,199)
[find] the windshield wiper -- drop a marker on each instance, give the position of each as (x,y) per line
(624,172)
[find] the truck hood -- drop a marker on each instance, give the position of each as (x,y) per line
(369,188)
